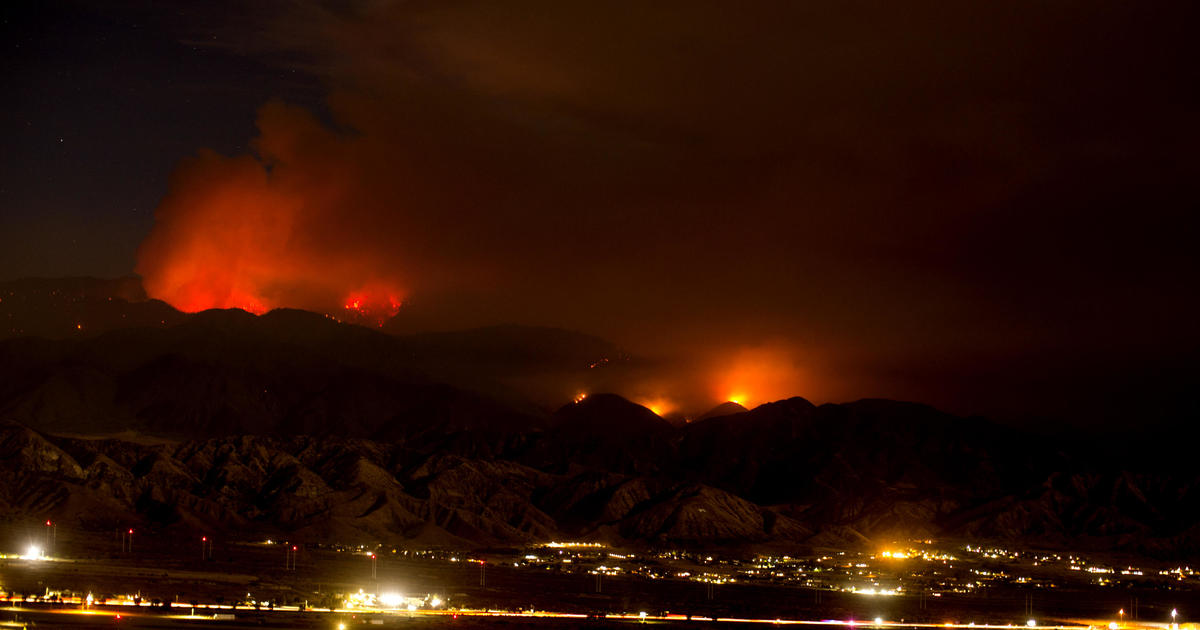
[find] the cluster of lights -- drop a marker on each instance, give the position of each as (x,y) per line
(390,600)
(33,552)
(875,591)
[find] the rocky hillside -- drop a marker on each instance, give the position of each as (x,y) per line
(352,489)
(785,473)
(294,422)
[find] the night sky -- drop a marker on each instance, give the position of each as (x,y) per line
(989,207)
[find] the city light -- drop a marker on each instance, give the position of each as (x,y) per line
(391,600)
(1031,623)
(34,552)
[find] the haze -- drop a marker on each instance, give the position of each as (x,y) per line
(987,207)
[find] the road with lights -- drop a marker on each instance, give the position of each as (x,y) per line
(82,615)
(69,580)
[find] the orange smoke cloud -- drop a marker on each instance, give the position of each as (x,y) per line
(272,230)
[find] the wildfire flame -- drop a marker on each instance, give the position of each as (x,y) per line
(754,375)
(660,405)
(372,306)
(271,230)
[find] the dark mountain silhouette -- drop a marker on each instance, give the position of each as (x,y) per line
(602,432)
(462,492)
(293,422)
(517,365)
(61,308)
(727,408)
(229,372)
(545,365)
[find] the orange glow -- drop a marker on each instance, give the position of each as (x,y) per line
(374,305)
(270,230)
(660,405)
(755,375)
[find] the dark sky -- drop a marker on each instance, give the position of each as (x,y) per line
(986,206)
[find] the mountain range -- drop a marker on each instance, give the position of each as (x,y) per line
(117,410)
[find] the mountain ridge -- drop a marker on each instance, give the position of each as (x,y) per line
(291,422)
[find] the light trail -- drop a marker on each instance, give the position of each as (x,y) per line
(122,606)
(121,609)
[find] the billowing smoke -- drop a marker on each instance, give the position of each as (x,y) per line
(873,201)
(273,229)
